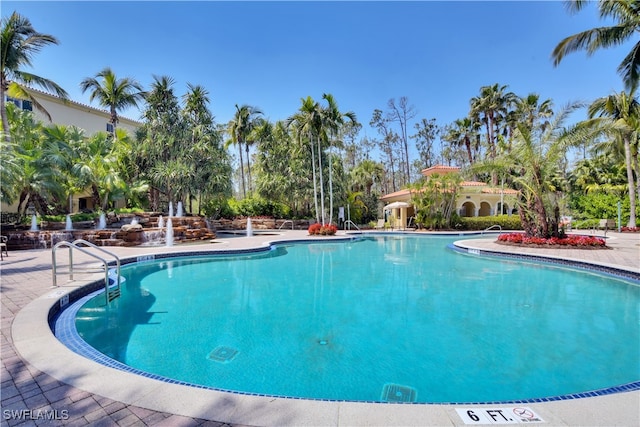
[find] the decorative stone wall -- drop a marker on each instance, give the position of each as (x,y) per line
(119,232)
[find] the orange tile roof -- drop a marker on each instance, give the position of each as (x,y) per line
(441,169)
(473,184)
(405,192)
(493,190)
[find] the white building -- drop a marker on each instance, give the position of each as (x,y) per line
(71,113)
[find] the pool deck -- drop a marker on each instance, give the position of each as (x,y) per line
(42,379)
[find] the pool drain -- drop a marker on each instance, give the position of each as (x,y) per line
(398,393)
(222,354)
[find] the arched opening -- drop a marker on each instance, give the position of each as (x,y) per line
(468,209)
(502,209)
(485,209)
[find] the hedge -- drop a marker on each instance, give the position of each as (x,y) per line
(507,222)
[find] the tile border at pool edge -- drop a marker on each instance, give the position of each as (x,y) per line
(36,344)
(465,247)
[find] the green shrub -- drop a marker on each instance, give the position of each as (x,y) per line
(254,206)
(129,210)
(77,217)
(219,207)
(507,222)
(585,224)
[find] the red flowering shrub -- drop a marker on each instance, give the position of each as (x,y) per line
(572,240)
(630,229)
(323,230)
(314,229)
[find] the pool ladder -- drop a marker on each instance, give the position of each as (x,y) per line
(492,227)
(111,292)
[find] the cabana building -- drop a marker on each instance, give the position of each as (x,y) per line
(474,199)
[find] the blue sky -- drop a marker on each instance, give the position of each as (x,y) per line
(272,54)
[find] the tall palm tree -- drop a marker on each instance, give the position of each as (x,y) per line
(308,123)
(491,107)
(113,93)
(462,134)
(619,116)
(19,42)
(239,129)
(333,120)
(159,138)
(200,131)
(626,14)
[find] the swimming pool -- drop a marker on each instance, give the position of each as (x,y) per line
(374,319)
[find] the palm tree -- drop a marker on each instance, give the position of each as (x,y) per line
(239,128)
(366,174)
(308,122)
(491,107)
(20,41)
(619,116)
(462,134)
(199,123)
(536,157)
(98,166)
(333,119)
(531,111)
(626,13)
(113,93)
(31,178)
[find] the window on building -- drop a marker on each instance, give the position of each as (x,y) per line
(20,103)
(109,127)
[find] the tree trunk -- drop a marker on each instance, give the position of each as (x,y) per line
(636,168)
(244,190)
(321,180)
(313,169)
(6,134)
(632,189)
(248,169)
(467,144)
(541,212)
(95,195)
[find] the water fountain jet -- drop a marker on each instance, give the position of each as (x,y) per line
(102,224)
(34,223)
(179,209)
(249,228)
(69,224)
(169,233)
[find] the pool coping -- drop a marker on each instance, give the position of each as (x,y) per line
(36,343)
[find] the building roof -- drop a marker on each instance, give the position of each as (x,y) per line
(79,104)
(440,169)
(396,195)
(484,189)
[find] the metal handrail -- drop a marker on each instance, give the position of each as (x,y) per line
(350,222)
(493,226)
(286,221)
(74,245)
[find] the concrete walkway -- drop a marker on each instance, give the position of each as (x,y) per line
(41,380)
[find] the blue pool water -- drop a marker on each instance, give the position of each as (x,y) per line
(375,319)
